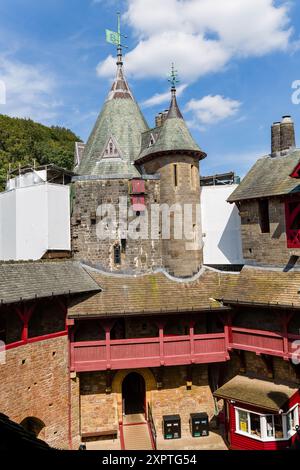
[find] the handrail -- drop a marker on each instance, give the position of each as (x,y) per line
(152,427)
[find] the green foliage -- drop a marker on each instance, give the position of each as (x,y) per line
(22,141)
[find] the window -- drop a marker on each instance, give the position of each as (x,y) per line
(243,421)
(267,427)
(175,176)
(292,218)
(117,254)
(255,426)
(292,420)
(264,221)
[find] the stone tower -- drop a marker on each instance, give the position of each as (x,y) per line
(170,151)
(106,176)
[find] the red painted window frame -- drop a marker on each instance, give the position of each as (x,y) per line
(292,235)
(138,186)
(138,203)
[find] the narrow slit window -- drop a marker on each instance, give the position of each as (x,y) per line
(264,219)
(117,254)
(175,176)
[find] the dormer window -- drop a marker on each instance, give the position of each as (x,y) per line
(111,150)
(152,141)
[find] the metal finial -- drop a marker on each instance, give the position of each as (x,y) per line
(113,37)
(173,77)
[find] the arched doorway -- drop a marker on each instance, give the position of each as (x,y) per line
(133,394)
(34,425)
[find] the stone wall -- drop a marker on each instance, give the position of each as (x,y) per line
(98,410)
(175,398)
(139,255)
(265,248)
(249,363)
(180,185)
(101,411)
(34,383)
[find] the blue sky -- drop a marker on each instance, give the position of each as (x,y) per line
(237,60)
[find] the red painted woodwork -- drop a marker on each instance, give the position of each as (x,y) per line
(35,340)
(296,172)
(137,187)
(148,352)
(264,342)
(241,442)
(292,221)
(138,203)
(25,313)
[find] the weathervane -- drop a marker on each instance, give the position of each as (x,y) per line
(113,37)
(173,77)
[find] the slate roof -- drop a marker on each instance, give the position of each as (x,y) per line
(30,280)
(261,393)
(120,119)
(270,176)
(149,294)
(173,136)
(262,286)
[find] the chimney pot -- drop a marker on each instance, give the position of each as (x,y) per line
(287,134)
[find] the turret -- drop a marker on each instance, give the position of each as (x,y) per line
(174,155)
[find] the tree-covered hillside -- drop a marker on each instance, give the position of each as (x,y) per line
(22,141)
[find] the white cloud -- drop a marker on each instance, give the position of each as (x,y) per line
(29,90)
(160,98)
(212,109)
(200,36)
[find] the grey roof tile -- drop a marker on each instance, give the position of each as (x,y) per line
(270,176)
(38,279)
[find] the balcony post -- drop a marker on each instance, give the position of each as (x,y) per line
(192,340)
(286,318)
(107,325)
(161,325)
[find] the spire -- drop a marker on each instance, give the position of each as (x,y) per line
(120,88)
(115,140)
(174,111)
(173,135)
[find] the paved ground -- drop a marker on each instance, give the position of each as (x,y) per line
(212,442)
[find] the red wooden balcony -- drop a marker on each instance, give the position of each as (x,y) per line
(264,342)
(148,352)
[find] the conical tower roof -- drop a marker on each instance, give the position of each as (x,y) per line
(115,141)
(173,136)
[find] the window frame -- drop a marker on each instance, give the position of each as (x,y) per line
(292,235)
(287,435)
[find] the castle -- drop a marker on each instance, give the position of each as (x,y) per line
(138,326)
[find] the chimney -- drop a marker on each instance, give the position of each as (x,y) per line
(287,133)
(160,118)
(276,138)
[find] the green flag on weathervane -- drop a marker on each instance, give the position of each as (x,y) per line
(112,37)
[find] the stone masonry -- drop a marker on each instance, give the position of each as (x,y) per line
(265,248)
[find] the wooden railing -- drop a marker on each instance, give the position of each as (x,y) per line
(263,342)
(152,428)
(148,352)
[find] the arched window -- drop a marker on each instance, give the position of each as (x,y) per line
(34,425)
